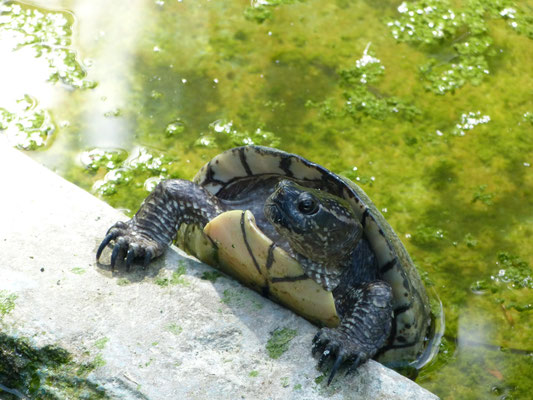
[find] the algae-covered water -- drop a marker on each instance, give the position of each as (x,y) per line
(427,105)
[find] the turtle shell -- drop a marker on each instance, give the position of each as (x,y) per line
(233,242)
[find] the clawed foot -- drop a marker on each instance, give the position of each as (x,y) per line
(338,347)
(130,244)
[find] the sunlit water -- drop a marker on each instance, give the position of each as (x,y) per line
(428,106)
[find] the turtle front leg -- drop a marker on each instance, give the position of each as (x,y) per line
(366,320)
(154,226)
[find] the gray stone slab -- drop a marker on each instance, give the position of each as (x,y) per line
(190,339)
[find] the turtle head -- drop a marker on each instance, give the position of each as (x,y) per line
(317,224)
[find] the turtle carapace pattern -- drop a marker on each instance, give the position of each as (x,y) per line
(303,236)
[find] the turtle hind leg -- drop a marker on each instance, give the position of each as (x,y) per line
(154,226)
(365,327)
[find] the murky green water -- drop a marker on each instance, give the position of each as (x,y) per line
(427,105)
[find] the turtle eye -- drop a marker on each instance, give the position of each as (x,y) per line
(307,204)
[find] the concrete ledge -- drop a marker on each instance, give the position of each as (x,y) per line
(179,338)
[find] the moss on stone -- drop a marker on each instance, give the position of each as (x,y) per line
(101,343)
(175,329)
(240,298)
(176,278)
(279,341)
(7,302)
(47,373)
(211,276)
(123,281)
(78,270)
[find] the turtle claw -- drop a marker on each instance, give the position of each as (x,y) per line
(356,363)
(129,244)
(105,242)
(338,347)
(129,258)
(114,255)
(148,255)
(336,365)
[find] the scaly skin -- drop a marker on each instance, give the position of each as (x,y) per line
(323,233)
(154,226)
(364,327)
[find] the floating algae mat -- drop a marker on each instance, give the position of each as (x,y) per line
(426,105)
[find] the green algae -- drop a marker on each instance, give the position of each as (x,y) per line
(262,10)
(175,128)
(427,235)
(140,172)
(481,375)
(48,34)
(514,271)
(279,341)
(96,159)
(176,278)
(7,302)
(211,276)
(240,298)
(510,286)
(483,196)
(470,241)
(360,100)
(98,361)
(469,121)
(123,281)
(223,135)
(174,329)
(464,33)
(47,373)
(101,343)
(29,128)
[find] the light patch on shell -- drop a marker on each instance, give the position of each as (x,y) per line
(263,163)
(395,278)
(378,242)
(228,167)
(302,171)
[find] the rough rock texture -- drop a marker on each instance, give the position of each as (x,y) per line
(179,338)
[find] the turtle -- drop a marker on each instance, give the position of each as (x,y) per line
(301,235)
